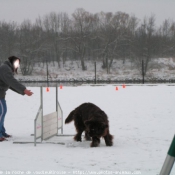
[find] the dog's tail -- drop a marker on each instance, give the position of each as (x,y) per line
(70,117)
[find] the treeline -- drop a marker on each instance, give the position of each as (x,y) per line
(86,36)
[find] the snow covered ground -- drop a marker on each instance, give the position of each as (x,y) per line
(158,69)
(141,119)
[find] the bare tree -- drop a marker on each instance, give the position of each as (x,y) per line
(7,39)
(113,33)
(79,33)
(145,43)
(167,33)
(29,40)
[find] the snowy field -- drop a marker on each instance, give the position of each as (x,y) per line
(141,118)
(160,68)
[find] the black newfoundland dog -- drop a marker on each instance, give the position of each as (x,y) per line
(91,119)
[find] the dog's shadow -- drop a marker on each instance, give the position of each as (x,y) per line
(84,144)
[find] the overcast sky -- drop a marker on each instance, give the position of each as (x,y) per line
(19,10)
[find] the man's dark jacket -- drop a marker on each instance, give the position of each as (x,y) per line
(7,80)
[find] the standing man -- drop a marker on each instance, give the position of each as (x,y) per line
(7,80)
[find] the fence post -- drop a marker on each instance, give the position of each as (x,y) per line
(95,72)
(57,105)
(169,161)
(47,74)
(143,72)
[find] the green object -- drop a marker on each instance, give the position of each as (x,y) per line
(171,151)
(170,159)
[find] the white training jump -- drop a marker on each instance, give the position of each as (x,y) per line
(46,126)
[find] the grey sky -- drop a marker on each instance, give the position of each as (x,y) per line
(18,10)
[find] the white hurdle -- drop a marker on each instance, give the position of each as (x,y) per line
(47,126)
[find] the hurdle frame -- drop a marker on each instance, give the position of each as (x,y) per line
(39,125)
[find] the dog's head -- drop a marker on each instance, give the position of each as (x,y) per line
(96,128)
